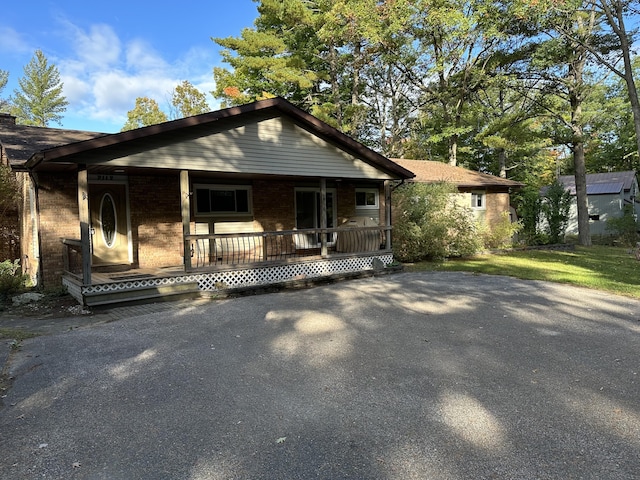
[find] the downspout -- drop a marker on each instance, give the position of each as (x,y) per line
(34,209)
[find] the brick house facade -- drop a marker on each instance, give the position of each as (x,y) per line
(133,200)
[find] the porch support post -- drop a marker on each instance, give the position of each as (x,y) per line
(323,216)
(185,208)
(83,213)
(387,213)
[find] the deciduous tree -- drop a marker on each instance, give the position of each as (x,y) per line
(145,113)
(187,100)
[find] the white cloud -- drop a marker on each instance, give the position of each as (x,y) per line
(99,47)
(12,42)
(141,57)
(76,90)
(115,92)
(103,76)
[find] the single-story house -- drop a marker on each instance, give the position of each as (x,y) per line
(486,195)
(245,196)
(607,196)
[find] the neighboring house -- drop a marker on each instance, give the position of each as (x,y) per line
(607,196)
(486,195)
(241,197)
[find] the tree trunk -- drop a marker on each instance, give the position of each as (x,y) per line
(502,161)
(584,236)
(614,13)
(576,86)
(628,75)
(453,150)
(580,170)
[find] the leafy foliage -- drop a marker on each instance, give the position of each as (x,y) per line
(501,233)
(529,206)
(430,224)
(625,227)
(4,103)
(187,100)
(9,192)
(555,208)
(11,278)
(145,113)
(40,100)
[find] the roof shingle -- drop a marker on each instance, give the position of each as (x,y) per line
(428,171)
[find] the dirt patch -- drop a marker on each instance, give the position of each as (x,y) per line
(50,306)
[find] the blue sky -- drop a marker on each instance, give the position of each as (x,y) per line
(109,53)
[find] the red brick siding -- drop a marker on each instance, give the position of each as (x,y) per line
(156,223)
(274,204)
(58,202)
(497,204)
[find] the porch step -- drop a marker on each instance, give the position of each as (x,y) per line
(161,293)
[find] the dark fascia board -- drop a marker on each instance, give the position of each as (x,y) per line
(315,125)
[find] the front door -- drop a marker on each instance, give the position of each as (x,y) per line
(109,225)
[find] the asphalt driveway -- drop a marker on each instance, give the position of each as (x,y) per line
(409,376)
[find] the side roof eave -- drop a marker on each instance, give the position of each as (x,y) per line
(313,124)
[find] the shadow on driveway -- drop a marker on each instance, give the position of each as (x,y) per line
(415,375)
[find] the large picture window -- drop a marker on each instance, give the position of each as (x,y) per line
(223,199)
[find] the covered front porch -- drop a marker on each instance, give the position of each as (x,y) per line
(227,263)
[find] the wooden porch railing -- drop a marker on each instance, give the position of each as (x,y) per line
(259,247)
(72,256)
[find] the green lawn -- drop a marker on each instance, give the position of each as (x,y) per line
(602,268)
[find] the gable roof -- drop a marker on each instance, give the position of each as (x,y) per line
(602,183)
(429,171)
(136,139)
(20,142)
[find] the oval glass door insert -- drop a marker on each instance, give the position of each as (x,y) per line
(108,220)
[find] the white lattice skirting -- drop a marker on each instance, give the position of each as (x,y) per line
(252,277)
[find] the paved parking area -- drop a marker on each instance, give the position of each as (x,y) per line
(412,376)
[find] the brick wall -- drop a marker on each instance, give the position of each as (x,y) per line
(497,204)
(58,202)
(274,204)
(156,223)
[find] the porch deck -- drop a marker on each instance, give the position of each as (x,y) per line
(225,263)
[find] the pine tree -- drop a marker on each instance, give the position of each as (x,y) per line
(39,100)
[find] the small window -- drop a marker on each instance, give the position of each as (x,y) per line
(223,199)
(595,218)
(367,198)
(478,200)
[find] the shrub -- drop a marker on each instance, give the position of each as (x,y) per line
(555,208)
(502,232)
(429,224)
(11,278)
(529,207)
(625,227)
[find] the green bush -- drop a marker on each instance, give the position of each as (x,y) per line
(555,208)
(625,228)
(500,235)
(429,224)
(11,278)
(529,206)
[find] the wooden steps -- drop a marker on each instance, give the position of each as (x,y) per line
(178,291)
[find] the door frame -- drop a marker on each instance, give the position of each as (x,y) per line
(109,179)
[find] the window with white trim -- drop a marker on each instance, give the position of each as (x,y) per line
(223,200)
(478,200)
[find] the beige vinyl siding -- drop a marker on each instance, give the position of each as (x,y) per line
(274,146)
